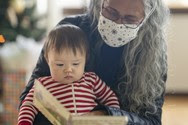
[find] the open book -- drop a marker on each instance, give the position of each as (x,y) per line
(51,108)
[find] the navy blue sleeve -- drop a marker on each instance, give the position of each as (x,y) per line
(133,118)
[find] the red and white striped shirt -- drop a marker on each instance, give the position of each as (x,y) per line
(78,97)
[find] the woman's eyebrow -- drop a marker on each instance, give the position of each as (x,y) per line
(128,16)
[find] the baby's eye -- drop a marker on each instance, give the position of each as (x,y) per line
(59,64)
(75,64)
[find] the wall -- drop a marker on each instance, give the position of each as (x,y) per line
(178,54)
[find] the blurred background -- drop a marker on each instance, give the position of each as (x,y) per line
(24,25)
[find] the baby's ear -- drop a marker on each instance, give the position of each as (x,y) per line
(47,61)
(46,58)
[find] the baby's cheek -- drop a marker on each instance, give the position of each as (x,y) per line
(56,74)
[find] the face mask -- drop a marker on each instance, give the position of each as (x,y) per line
(116,35)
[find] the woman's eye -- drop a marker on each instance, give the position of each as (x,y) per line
(59,64)
(112,12)
(130,20)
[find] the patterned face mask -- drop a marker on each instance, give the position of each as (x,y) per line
(116,35)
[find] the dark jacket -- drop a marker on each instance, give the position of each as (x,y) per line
(106,64)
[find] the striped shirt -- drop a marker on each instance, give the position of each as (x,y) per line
(79,97)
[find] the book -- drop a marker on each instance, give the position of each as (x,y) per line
(57,114)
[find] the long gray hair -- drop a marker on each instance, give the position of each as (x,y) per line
(142,80)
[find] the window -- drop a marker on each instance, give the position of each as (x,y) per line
(178,6)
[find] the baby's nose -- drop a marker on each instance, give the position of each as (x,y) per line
(68,69)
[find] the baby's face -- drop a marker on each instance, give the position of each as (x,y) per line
(66,67)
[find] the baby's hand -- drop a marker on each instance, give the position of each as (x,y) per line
(69,122)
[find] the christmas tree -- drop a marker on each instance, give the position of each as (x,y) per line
(18,17)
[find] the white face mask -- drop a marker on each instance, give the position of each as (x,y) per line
(116,35)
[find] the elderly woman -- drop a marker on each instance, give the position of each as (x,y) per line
(128,51)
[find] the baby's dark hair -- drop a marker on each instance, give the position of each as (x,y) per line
(66,36)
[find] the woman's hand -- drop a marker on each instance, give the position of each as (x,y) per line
(99,112)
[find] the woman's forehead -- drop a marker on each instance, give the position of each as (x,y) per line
(125,7)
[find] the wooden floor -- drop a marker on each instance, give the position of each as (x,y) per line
(175,110)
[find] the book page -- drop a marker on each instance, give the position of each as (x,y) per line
(50,107)
(99,120)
